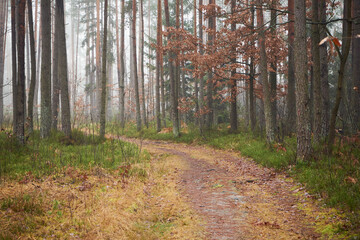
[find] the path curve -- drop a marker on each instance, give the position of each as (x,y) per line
(236,198)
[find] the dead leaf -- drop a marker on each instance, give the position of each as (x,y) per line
(323,41)
(336,41)
(351,180)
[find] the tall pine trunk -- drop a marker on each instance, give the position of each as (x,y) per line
(14,62)
(20,93)
(210,84)
(3,23)
(135,72)
(325,99)
(252,99)
(173,93)
(98,63)
(201,79)
(55,73)
(345,50)
(141,64)
(45,125)
(233,86)
(103,77)
(270,128)
(273,68)
(301,76)
(63,69)
(355,65)
(122,67)
(158,70)
(315,39)
(33,68)
(291,97)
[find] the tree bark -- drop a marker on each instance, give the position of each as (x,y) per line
(345,50)
(63,70)
(14,62)
(291,97)
(196,81)
(355,65)
(121,66)
(20,93)
(233,85)
(315,40)
(270,135)
(177,71)
(55,73)
(103,78)
(3,22)
(173,94)
(98,63)
(136,81)
(33,68)
(141,64)
(301,76)
(210,84)
(273,67)
(45,125)
(325,99)
(158,62)
(252,99)
(201,79)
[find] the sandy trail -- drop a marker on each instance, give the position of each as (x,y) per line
(236,198)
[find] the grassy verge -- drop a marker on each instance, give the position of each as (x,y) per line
(86,188)
(334,179)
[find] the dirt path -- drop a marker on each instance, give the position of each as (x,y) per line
(236,198)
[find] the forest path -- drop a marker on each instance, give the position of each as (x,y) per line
(236,198)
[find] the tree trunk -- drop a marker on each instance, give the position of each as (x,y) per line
(3,21)
(141,63)
(158,62)
(33,68)
(355,65)
(162,92)
(290,97)
(233,86)
(121,65)
(315,40)
(177,69)
(20,93)
(55,75)
(103,79)
(252,100)
(197,122)
(347,33)
(173,94)
(324,74)
(14,62)
(63,70)
(201,79)
(45,125)
(136,82)
(270,136)
(273,67)
(98,62)
(210,84)
(301,76)
(38,73)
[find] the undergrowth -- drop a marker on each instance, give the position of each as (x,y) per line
(87,188)
(50,156)
(334,179)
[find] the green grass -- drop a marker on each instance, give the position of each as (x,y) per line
(50,156)
(335,179)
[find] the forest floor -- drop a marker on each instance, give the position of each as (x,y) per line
(238,199)
(128,188)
